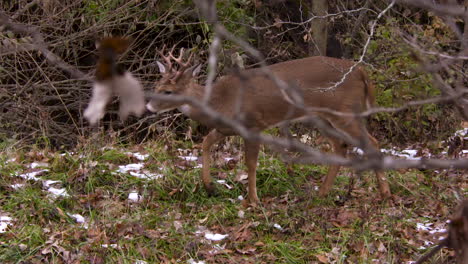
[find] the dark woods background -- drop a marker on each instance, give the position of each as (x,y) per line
(41,103)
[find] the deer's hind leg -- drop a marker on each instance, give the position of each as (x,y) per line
(212,138)
(384,188)
(252,149)
(354,129)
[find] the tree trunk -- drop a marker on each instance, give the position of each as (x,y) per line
(318,28)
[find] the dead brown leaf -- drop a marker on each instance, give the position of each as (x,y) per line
(322,258)
(344,218)
(249,250)
(153,234)
(243,233)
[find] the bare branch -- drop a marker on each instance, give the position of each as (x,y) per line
(451,10)
(39,44)
(308,155)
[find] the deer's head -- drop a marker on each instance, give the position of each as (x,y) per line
(178,80)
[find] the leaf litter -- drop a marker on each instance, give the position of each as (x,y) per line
(343,218)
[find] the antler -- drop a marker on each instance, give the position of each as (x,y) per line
(167,58)
(179,60)
(183,66)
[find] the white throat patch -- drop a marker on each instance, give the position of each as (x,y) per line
(185,109)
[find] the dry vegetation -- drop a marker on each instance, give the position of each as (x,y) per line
(66,195)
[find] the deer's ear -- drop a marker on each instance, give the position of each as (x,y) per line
(196,71)
(192,72)
(161,67)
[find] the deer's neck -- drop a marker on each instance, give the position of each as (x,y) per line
(195,91)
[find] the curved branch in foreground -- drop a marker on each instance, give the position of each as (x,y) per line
(308,155)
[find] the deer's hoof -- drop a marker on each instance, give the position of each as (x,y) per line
(385,192)
(386,195)
(252,202)
(387,198)
(211,189)
(323,193)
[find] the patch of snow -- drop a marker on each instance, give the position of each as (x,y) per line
(78,218)
(47,183)
(199,166)
(223,182)
(358,151)
(409,154)
(134,170)
(5,221)
(189,158)
(228,159)
(32,175)
(58,192)
(240,198)
(424,227)
(38,164)
(17,186)
(461,132)
(438,230)
(134,197)
(277,226)
(130,167)
(428,243)
(140,262)
(138,155)
(429,227)
(192,261)
(109,246)
(146,175)
(215,237)
(305,138)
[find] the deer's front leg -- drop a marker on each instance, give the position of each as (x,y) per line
(251,156)
(340,149)
(212,137)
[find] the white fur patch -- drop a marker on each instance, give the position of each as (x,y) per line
(185,109)
(132,97)
(102,93)
(127,87)
(151,108)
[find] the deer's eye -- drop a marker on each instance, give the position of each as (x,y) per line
(166,92)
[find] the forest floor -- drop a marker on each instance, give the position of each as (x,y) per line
(145,204)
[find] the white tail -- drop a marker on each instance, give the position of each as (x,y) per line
(257,102)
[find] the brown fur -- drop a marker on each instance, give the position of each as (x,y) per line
(109,49)
(258,103)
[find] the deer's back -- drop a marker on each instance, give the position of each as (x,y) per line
(263,104)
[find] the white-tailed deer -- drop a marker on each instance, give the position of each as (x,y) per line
(258,103)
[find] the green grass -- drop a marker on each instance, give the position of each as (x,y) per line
(293,225)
